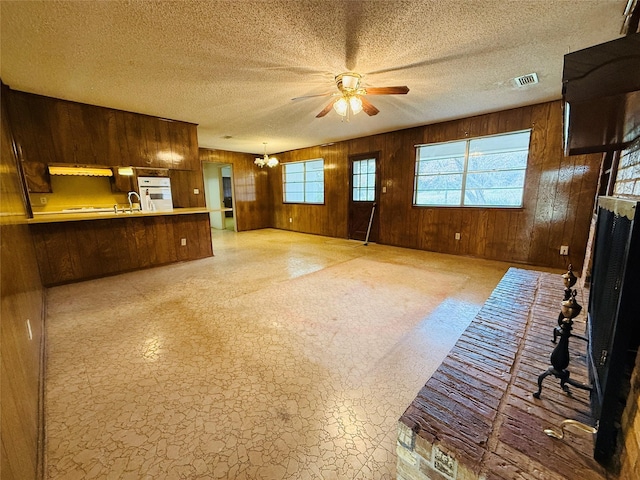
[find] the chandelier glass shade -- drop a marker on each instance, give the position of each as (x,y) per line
(266,160)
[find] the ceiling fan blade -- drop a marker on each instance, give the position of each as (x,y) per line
(368,108)
(312,96)
(326,109)
(386,90)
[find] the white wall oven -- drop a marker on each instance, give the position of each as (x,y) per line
(155,194)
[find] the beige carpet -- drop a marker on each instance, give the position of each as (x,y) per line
(285,356)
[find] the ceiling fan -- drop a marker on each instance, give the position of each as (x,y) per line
(350,97)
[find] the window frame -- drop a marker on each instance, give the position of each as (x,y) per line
(353,187)
(465,172)
(303,183)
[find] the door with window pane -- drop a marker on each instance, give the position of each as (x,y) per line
(364,193)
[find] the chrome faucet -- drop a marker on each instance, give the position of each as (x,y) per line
(130,202)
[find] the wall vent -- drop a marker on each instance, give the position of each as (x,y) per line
(524,80)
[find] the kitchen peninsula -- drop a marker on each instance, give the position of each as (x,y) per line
(106,236)
(80,246)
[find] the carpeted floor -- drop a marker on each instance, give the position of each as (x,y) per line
(285,356)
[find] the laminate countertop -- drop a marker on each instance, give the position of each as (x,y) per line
(55,217)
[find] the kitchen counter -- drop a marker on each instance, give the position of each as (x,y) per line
(98,214)
(79,246)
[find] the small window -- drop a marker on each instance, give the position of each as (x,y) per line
(479,172)
(303,182)
(364,180)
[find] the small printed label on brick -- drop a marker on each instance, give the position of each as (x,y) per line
(444,463)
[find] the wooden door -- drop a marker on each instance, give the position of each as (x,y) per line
(364,181)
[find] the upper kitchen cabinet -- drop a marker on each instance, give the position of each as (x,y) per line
(93,135)
(184,144)
(31,117)
(132,135)
(50,130)
(153,142)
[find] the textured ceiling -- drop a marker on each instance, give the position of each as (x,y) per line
(233,67)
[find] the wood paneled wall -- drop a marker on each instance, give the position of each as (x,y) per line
(183,184)
(558,198)
(52,130)
(250,187)
(21,300)
(329,219)
(73,251)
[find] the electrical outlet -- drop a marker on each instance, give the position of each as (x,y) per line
(290,220)
(196,191)
(564,249)
(457,235)
(183,242)
(43,200)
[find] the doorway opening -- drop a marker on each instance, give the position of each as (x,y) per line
(218,192)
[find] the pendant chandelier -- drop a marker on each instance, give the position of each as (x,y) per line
(266,159)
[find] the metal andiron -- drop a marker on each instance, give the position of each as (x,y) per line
(569,280)
(560,355)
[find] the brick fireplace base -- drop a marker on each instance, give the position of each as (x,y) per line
(476,418)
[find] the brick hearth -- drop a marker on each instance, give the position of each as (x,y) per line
(476,418)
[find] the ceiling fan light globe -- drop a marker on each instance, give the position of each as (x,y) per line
(341,107)
(350,80)
(356,105)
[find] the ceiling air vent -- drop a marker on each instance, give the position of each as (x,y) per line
(524,80)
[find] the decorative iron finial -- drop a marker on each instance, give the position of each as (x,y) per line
(569,278)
